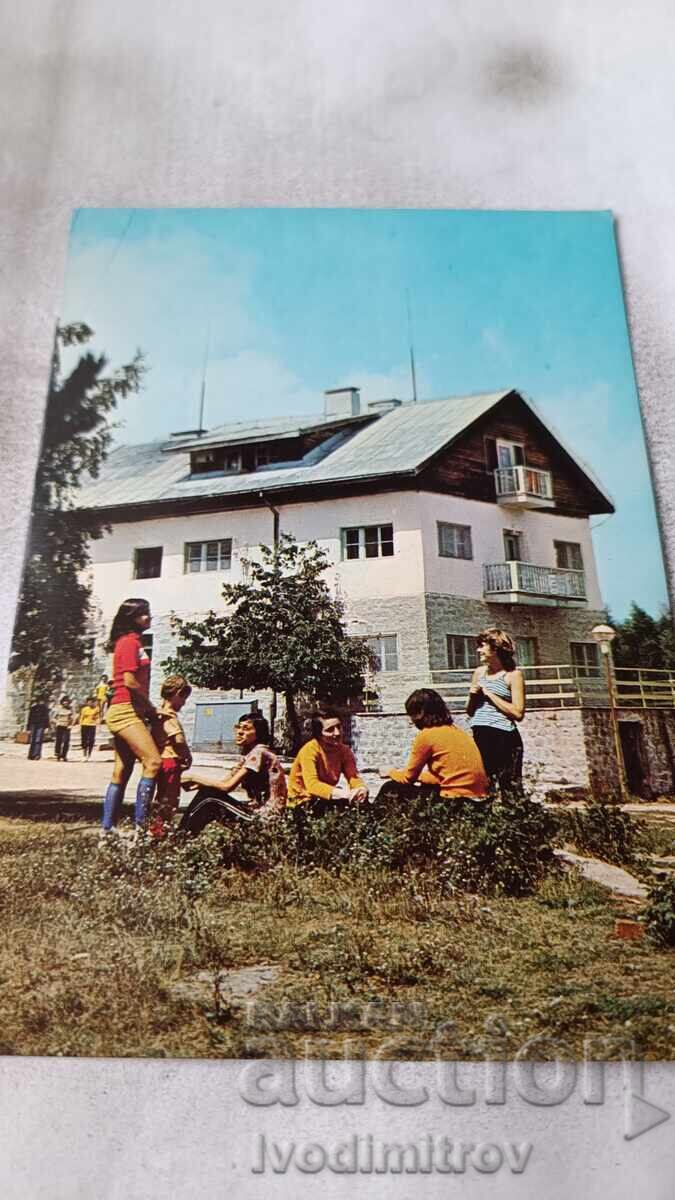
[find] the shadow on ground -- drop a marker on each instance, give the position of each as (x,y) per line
(57,806)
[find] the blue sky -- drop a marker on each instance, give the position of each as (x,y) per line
(294,301)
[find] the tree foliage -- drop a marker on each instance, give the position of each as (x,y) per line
(645,641)
(283,630)
(54,600)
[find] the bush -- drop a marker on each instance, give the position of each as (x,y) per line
(502,850)
(495,848)
(603,831)
(660,912)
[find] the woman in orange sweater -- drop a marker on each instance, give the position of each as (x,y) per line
(441,755)
(314,781)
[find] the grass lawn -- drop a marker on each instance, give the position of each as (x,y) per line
(117,952)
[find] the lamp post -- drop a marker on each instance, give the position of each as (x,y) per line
(604,636)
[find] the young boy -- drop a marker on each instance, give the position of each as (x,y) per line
(259,773)
(172,745)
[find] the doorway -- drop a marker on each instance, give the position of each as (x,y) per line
(634,751)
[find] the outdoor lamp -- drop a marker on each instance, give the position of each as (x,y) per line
(604,635)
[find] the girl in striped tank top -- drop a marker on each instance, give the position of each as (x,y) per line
(496,703)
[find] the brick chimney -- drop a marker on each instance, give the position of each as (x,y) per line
(342,402)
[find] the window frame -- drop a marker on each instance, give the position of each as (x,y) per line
(381,653)
(512,446)
(203,567)
(558,545)
(586,670)
(513,533)
(441,527)
(138,550)
(535,651)
(467,639)
(362,542)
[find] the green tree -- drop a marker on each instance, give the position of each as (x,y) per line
(54,600)
(283,630)
(644,641)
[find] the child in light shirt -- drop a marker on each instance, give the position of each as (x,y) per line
(169,736)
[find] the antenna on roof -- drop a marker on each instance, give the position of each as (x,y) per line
(412,352)
(200,422)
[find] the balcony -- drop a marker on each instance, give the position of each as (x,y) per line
(526,583)
(524,487)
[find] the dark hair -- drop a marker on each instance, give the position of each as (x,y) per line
(174,685)
(64,700)
(259,723)
(317,719)
(502,644)
(427,707)
(125,619)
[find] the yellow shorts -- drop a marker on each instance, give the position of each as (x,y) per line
(121,716)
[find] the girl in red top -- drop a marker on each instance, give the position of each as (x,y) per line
(128,713)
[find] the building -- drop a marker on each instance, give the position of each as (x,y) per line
(439,518)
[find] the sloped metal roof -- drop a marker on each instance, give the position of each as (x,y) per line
(399,442)
(240,432)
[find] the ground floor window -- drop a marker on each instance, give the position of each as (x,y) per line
(385,649)
(461,652)
(585,659)
(208,556)
(526,651)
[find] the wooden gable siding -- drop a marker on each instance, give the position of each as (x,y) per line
(462,468)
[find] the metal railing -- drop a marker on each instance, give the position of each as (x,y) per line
(557,685)
(522,480)
(533,580)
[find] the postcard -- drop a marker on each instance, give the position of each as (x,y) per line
(340,720)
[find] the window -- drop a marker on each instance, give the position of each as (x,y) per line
(148,563)
(585,659)
(461,652)
(454,541)
(368,541)
(208,556)
(205,462)
(526,652)
(385,649)
(568,554)
(146,640)
(513,546)
(510,454)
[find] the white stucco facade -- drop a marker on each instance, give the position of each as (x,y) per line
(416,566)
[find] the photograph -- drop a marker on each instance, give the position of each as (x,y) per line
(340,711)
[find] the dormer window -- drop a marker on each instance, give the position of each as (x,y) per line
(220,460)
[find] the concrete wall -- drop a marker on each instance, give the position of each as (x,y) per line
(554,743)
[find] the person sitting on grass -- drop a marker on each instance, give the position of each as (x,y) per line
(258,772)
(314,782)
(442,756)
(169,737)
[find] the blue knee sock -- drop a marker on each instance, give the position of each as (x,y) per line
(112,804)
(144,793)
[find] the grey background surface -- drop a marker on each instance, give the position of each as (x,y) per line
(461,103)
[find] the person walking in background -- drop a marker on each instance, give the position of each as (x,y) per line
(38,723)
(101,693)
(63,721)
(314,782)
(90,715)
(171,742)
(129,714)
(496,703)
(442,756)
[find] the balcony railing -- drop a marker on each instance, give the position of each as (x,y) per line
(531,580)
(524,485)
(557,685)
